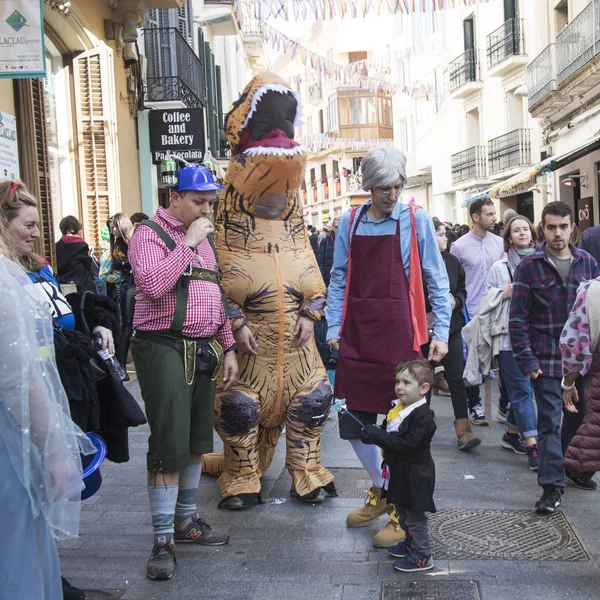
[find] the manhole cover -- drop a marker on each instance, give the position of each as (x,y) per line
(103,594)
(349,483)
(430,590)
(480,534)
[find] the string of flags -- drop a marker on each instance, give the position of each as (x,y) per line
(294,10)
(348,75)
(322,141)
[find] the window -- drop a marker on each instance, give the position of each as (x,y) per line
(358,111)
(321,121)
(58,131)
(313,177)
(309,125)
(332,115)
(335,167)
(385,111)
(324,173)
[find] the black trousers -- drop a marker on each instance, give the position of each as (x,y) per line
(453,364)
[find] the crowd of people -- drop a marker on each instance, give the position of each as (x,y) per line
(413,306)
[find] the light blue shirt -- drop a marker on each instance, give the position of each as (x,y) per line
(432,264)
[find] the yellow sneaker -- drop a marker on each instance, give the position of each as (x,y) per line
(373,508)
(391,534)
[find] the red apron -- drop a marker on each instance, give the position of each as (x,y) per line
(377,330)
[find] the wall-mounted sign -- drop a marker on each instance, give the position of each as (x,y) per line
(21,39)
(9,154)
(178,131)
(584,213)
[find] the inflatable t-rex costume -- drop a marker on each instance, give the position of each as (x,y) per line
(271,278)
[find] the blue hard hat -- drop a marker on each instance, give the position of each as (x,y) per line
(196,178)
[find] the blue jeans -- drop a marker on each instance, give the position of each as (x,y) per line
(521,416)
(552,442)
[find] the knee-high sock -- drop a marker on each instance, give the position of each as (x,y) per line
(162,506)
(370,457)
(185,509)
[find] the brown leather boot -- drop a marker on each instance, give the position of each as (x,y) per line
(374,507)
(440,385)
(466,439)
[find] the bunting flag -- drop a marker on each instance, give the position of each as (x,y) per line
(294,10)
(348,75)
(323,141)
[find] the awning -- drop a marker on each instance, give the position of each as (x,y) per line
(530,174)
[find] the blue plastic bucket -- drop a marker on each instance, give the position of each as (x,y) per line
(92,477)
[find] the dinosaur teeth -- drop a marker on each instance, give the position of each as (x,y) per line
(276,151)
(273,87)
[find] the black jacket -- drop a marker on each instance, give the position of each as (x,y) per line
(314,241)
(458,288)
(590,242)
(325,256)
(74,264)
(408,455)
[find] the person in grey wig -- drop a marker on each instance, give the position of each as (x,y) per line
(376,311)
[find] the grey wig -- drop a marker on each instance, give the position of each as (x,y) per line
(382,167)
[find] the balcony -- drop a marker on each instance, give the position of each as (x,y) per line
(315,92)
(506,48)
(173,71)
(544,99)
(576,46)
(464,75)
(509,151)
(469,167)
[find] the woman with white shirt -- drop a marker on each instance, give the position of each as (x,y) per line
(521,421)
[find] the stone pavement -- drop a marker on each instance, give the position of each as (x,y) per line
(294,551)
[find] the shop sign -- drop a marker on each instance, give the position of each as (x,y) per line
(21,39)
(9,154)
(584,213)
(177,131)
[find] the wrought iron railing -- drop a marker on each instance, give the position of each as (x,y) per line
(508,40)
(463,70)
(469,165)
(250,26)
(541,75)
(578,42)
(173,71)
(510,150)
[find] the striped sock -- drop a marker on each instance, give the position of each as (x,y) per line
(162,506)
(185,509)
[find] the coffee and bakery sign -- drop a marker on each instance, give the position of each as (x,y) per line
(177,131)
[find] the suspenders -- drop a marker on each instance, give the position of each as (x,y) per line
(193,273)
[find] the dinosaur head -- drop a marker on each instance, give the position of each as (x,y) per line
(267,168)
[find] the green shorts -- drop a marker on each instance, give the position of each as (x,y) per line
(180,415)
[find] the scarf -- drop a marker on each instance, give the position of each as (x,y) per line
(516,256)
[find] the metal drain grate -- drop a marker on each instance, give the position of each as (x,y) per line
(349,483)
(482,534)
(430,590)
(103,594)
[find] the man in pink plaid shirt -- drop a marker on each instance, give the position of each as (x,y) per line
(182,335)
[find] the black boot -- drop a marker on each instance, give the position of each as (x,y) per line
(70,592)
(240,501)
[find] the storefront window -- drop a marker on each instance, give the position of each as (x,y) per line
(57,102)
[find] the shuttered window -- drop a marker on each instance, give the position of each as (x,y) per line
(31,115)
(97,142)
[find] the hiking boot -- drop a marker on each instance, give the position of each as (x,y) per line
(70,592)
(532,457)
(514,442)
(390,535)
(579,480)
(465,438)
(374,507)
(440,385)
(413,562)
(477,415)
(550,500)
(399,550)
(161,564)
(200,532)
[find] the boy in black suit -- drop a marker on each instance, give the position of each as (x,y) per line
(405,437)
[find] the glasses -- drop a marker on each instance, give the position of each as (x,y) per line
(393,191)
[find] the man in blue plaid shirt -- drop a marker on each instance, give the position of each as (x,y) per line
(544,291)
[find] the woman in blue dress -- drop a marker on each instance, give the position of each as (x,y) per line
(40,464)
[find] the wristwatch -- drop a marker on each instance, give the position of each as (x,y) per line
(567,388)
